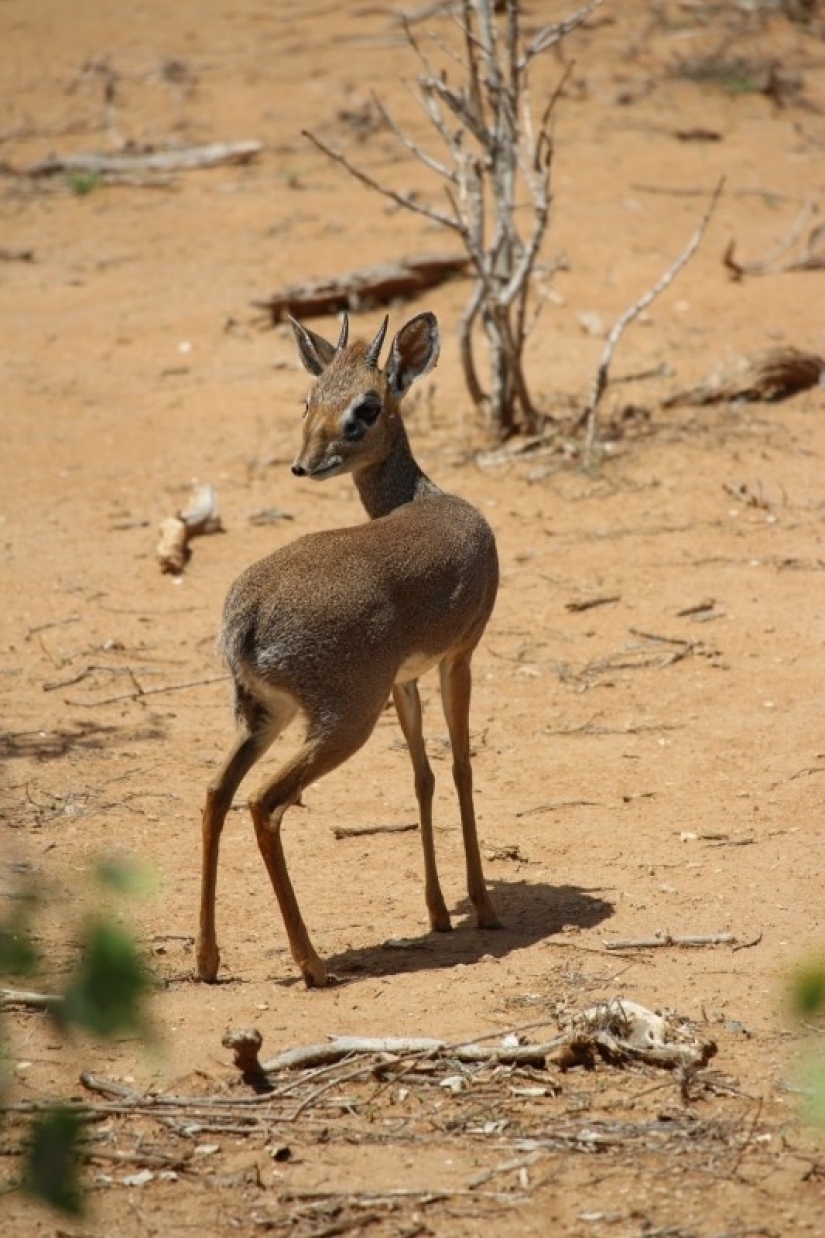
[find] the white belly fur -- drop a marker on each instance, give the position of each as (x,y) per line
(415,666)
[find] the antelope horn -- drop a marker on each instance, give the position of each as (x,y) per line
(342,338)
(377,344)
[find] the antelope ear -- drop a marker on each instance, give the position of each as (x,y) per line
(315,352)
(414,351)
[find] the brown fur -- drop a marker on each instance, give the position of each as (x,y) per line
(333,623)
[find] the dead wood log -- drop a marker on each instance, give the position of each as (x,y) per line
(363,288)
(771,375)
(129,162)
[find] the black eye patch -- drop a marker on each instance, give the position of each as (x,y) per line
(368,408)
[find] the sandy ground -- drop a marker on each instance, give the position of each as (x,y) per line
(654,763)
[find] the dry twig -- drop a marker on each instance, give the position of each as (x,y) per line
(588,419)
(589,603)
(360,831)
(139,691)
(812,257)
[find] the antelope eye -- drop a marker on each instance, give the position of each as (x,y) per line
(368,408)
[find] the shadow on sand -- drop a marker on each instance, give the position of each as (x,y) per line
(75,737)
(530,912)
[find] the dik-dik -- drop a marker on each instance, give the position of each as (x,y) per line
(333,623)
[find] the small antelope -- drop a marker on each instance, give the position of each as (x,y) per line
(333,623)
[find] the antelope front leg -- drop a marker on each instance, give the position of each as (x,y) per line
(456,688)
(408,707)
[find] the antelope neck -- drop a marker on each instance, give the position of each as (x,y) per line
(393,481)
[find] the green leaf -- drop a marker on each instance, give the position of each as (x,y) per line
(106,992)
(52,1171)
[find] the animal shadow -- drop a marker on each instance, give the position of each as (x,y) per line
(530,912)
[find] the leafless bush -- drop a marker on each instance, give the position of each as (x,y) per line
(495,163)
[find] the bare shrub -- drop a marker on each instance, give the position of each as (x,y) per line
(495,163)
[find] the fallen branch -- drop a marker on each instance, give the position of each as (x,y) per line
(340,1047)
(30,1001)
(587,418)
(364,287)
(668,939)
(360,831)
(390,1197)
(127,164)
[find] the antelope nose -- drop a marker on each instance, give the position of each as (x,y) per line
(299,470)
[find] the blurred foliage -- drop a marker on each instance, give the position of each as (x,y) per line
(125,876)
(106,991)
(104,995)
(18,954)
(807,994)
(52,1171)
(81,183)
(809,989)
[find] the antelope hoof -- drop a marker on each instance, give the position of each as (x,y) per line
(486,918)
(209,960)
(314,974)
(440,921)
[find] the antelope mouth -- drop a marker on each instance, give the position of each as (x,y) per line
(326,469)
